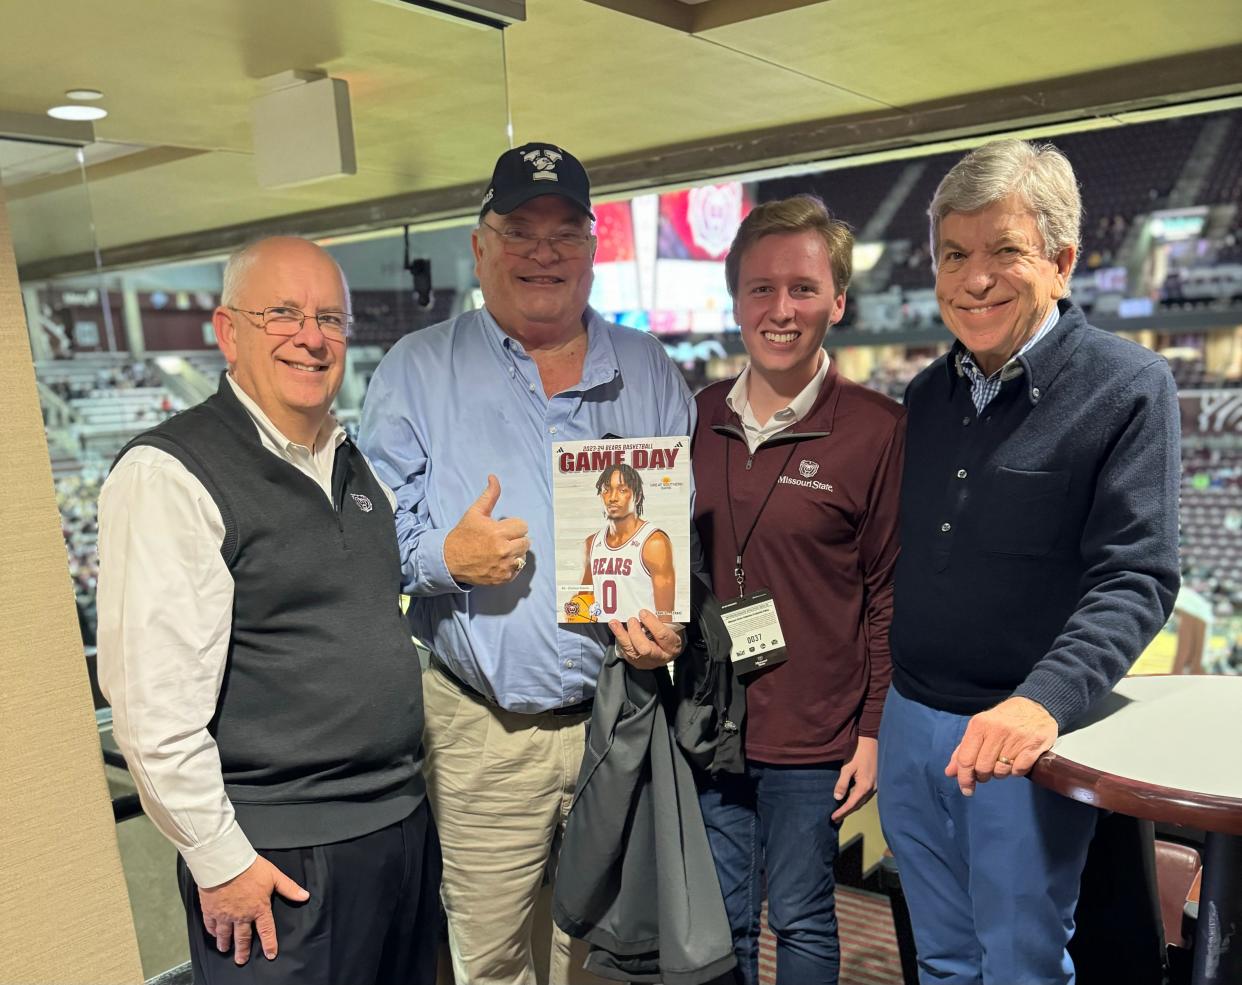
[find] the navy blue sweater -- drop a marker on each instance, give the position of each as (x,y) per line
(1039,538)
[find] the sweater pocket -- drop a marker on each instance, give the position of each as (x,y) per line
(1023,514)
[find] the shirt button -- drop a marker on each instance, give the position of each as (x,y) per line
(965,422)
(569,664)
(961,473)
(551,430)
(945,527)
(532,388)
(1035,392)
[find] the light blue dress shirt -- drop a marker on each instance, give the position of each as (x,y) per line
(459,400)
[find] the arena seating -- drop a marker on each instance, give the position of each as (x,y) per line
(1189,374)
(382,317)
(77,495)
(1224,184)
(1211,527)
(1125,174)
(892,378)
(909,223)
(851,194)
(110,398)
(109,418)
(210,364)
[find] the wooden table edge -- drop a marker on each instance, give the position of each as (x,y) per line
(1210,812)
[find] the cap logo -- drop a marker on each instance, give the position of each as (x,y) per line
(544,162)
(491,193)
(363,503)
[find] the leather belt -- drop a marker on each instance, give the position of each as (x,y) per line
(581,708)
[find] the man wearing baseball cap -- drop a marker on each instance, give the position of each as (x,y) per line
(460,421)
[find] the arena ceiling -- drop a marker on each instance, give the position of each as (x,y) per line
(646,92)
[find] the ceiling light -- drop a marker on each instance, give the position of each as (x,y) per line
(85,94)
(76,112)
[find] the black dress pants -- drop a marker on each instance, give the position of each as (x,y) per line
(372,917)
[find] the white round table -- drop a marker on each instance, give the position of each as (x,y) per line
(1170,749)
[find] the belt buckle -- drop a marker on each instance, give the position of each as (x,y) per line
(581,708)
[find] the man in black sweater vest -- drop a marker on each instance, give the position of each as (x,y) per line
(1039,557)
(265,689)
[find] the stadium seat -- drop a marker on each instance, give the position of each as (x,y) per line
(1177,866)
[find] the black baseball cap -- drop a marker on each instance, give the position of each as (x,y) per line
(532,170)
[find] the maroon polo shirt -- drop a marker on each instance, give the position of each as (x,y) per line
(825,546)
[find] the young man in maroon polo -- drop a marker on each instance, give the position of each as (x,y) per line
(797,472)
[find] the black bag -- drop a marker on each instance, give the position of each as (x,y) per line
(709,719)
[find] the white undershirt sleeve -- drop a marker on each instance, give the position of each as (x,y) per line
(165,602)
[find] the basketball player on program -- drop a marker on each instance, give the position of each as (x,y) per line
(629,562)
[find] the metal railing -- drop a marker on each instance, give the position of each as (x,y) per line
(59,413)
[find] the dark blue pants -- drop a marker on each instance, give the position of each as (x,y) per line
(373,916)
(777,820)
(991,880)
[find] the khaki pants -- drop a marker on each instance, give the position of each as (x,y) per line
(500,785)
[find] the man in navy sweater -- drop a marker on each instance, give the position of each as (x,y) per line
(1039,557)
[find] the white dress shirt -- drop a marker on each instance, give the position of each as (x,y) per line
(165,604)
(738,401)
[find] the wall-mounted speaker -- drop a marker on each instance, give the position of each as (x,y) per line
(303,131)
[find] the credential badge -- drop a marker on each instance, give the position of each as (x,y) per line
(807,469)
(363,502)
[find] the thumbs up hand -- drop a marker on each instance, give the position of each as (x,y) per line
(483,551)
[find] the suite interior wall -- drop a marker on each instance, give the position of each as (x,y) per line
(63,901)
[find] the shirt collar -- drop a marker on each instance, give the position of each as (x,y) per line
(330,432)
(738,402)
(600,365)
(1036,364)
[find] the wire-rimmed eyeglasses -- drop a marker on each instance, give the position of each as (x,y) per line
(520,243)
(285,321)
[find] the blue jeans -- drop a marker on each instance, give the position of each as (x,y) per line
(778,819)
(991,880)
